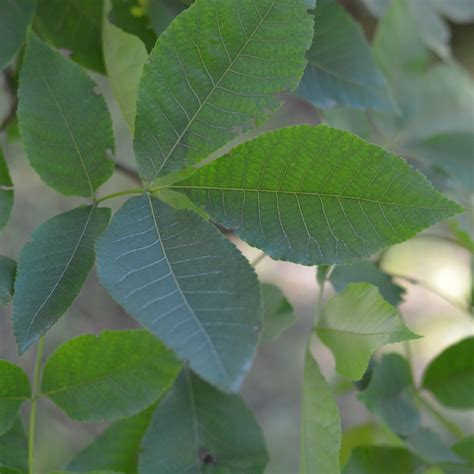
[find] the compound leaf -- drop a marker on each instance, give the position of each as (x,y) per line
(356,322)
(205,430)
(65,126)
(316,195)
(7,279)
(179,277)
(6,192)
(113,375)
(52,269)
(14,449)
(215,70)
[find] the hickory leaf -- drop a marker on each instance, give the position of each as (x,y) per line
(184,282)
(216,69)
(109,376)
(197,428)
(6,192)
(52,269)
(65,126)
(7,279)
(316,195)
(356,322)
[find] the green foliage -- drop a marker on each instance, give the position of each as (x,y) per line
(68,152)
(278,312)
(316,195)
(14,390)
(110,376)
(175,274)
(450,376)
(6,192)
(205,80)
(7,279)
(355,323)
(13,449)
(52,268)
(205,430)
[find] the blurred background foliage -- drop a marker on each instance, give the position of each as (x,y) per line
(412,93)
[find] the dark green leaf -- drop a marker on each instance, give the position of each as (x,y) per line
(74,25)
(52,269)
(15,16)
(7,279)
(207,79)
(14,390)
(356,322)
(278,313)
(390,395)
(179,277)
(341,70)
(316,195)
(65,126)
(465,449)
(320,423)
(6,191)
(367,272)
(162,13)
(450,376)
(14,449)
(109,376)
(197,428)
(117,448)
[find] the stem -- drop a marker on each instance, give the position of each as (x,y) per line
(121,193)
(34,398)
(319,302)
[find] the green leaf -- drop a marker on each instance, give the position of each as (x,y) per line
(65,126)
(113,375)
(14,20)
(367,272)
(356,322)
(320,423)
(124,57)
(14,449)
(197,428)
(390,395)
(381,459)
(465,449)
(14,390)
(74,25)
(341,70)
(6,191)
(450,376)
(7,279)
(278,312)
(182,280)
(316,195)
(117,448)
(216,70)
(52,269)
(162,13)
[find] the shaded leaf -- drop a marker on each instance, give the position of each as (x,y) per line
(207,79)
(205,430)
(179,277)
(389,395)
(341,70)
(14,20)
(14,449)
(450,376)
(7,279)
(356,322)
(320,423)
(278,312)
(109,376)
(52,269)
(162,13)
(6,192)
(316,195)
(65,126)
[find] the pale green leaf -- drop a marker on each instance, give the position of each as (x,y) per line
(15,16)
(52,269)
(113,375)
(320,423)
(74,25)
(6,191)
(216,70)
(181,279)
(341,70)
(14,449)
(7,279)
(390,395)
(316,195)
(356,322)
(450,376)
(278,312)
(14,390)
(65,126)
(124,56)
(197,429)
